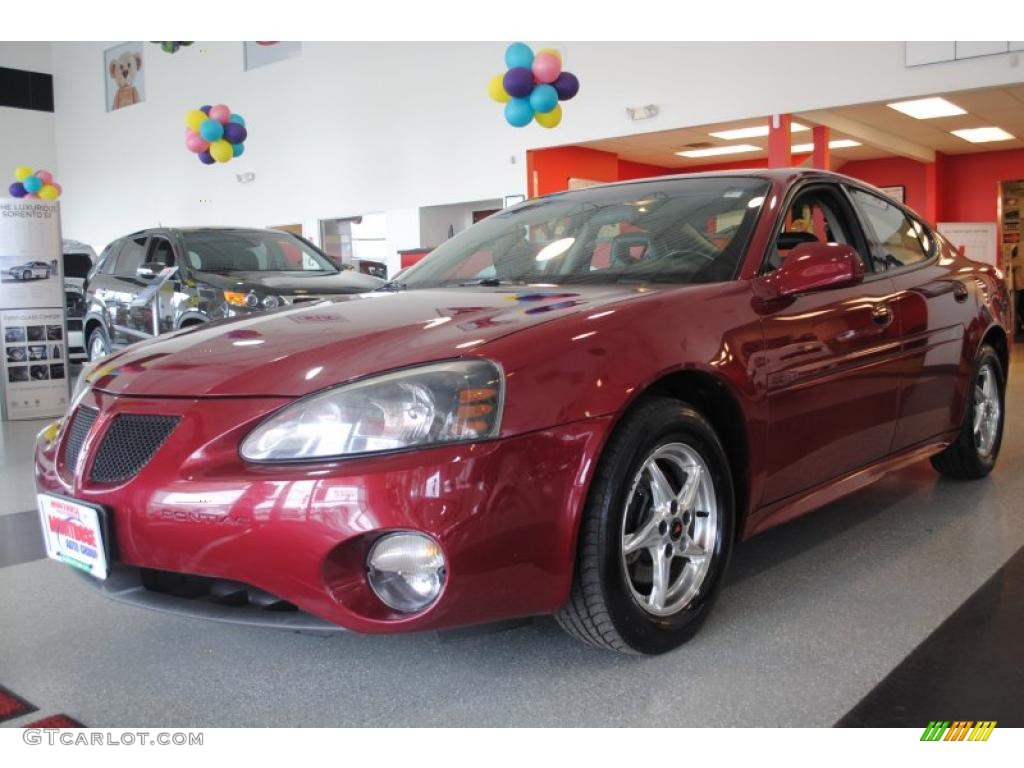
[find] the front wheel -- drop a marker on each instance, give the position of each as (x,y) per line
(974,453)
(656,533)
(99,344)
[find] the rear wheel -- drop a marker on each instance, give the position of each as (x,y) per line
(656,533)
(976,449)
(99,343)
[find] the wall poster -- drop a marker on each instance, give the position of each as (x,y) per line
(32,327)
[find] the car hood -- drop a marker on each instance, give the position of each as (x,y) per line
(293,283)
(295,351)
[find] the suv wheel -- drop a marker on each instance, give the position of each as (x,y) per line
(99,344)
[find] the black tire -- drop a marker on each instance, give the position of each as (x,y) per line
(963,459)
(98,335)
(603,608)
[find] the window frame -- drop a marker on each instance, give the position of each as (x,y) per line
(839,193)
(930,256)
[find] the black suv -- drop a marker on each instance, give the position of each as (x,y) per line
(221,273)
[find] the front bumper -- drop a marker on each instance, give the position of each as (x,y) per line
(505,513)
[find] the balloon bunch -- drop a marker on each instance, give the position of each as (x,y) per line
(171,46)
(215,133)
(38,185)
(533,86)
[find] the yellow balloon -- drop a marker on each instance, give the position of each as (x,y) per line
(48,192)
(221,151)
(496,89)
(553,51)
(549,119)
(194,118)
(22,172)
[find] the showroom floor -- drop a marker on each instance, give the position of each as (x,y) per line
(900,604)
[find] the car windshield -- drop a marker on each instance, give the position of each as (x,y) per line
(683,230)
(252,251)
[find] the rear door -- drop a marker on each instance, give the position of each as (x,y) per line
(831,365)
(929,302)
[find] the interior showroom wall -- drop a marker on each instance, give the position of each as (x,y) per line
(350,129)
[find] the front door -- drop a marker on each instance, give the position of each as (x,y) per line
(831,360)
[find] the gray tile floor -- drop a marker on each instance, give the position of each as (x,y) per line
(815,613)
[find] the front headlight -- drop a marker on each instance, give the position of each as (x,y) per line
(452,402)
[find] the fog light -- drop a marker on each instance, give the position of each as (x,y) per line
(406,570)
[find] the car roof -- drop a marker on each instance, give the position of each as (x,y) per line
(784,175)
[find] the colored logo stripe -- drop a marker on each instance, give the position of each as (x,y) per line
(958,730)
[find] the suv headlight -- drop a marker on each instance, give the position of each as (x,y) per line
(452,402)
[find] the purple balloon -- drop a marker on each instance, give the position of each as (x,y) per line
(17,189)
(235,133)
(206,158)
(518,82)
(206,108)
(566,85)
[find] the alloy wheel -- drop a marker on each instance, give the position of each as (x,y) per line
(670,529)
(988,410)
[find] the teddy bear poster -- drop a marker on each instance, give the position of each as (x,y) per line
(125,75)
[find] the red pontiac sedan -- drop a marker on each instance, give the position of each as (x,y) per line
(575,407)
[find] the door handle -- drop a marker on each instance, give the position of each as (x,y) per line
(882,315)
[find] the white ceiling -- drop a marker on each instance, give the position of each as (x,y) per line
(1002,107)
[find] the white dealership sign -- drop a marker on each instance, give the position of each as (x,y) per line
(34,343)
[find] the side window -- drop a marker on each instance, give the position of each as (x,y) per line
(814,216)
(108,259)
(161,252)
(131,256)
(896,239)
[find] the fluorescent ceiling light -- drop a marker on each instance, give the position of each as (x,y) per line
(732,149)
(752,132)
(981,135)
(925,109)
(836,144)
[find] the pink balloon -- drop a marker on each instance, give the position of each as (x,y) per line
(58,187)
(546,67)
(196,143)
(31,196)
(222,114)
(45,176)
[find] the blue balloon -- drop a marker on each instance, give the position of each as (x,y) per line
(544,98)
(518,55)
(211,130)
(205,108)
(32,184)
(518,112)
(238,149)
(17,189)
(236,119)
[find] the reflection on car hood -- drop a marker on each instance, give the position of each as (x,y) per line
(303,349)
(291,283)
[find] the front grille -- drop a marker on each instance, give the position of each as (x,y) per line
(81,423)
(129,444)
(233,594)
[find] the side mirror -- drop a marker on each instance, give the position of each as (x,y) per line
(817,267)
(149,270)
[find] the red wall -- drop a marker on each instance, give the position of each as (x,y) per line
(965,186)
(969,185)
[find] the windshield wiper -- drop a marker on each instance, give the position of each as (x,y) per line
(391,285)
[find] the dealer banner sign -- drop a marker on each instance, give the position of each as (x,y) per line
(34,349)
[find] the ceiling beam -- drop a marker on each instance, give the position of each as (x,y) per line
(870,135)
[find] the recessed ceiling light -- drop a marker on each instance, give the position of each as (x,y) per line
(732,149)
(925,109)
(981,135)
(836,144)
(752,132)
